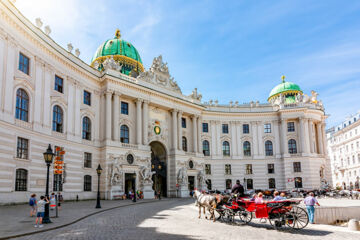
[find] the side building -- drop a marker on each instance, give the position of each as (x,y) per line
(138,125)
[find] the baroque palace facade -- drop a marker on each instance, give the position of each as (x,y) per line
(138,125)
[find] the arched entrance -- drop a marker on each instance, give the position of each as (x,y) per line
(158,164)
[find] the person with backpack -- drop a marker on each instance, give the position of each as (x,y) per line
(32,204)
(40,211)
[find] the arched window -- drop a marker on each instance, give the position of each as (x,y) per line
(184,144)
(292,146)
(21,180)
(58,117)
(206,148)
(86,133)
(247,148)
(22,105)
(124,134)
(268,148)
(298,182)
(272,183)
(226,148)
(87,183)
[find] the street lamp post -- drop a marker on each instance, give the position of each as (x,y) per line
(245,184)
(134,200)
(98,170)
(48,157)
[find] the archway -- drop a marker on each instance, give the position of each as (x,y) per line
(158,164)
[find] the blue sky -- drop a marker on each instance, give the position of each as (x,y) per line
(230,50)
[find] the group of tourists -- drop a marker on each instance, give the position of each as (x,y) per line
(37,208)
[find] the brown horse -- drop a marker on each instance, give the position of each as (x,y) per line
(205,201)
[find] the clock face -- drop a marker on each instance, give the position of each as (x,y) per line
(157,130)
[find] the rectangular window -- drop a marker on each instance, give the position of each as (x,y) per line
(124,108)
(271,168)
(87,160)
(87,183)
(272,183)
(24,64)
(209,185)
(297,166)
(22,148)
(225,128)
(249,184)
(21,180)
(227,169)
(228,183)
(59,84)
(58,184)
(267,128)
(183,122)
(207,169)
(248,169)
(246,128)
(87,98)
(205,127)
(291,126)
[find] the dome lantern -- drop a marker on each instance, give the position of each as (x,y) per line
(288,89)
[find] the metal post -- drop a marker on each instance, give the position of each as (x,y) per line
(134,200)
(46,218)
(98,194)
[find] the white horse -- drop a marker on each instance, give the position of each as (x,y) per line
(205,201)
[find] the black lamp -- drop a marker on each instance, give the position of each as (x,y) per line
(98,170)
(48,157)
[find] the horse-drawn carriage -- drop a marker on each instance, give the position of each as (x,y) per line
(279,213)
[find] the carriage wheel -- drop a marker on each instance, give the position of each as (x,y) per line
(297,218)
(245,216)
(227,215)
(275,220)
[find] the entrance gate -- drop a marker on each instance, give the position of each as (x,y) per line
(158,164)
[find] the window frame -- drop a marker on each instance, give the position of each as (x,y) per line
(267,128)
(297,167)
(228,183)
(298,184)
(206,150)
(124,108)
(86,128)
(248,169)
(208,169)
(22,105)
(58,115)
(271,168)
(246,128)
(87,160)
(22,150)
(291,126)
(87,98)
(249,183)
(87,183)
(59,87)
(205,127)
(24,66)
(21,180)
(271,183)
(269,149)
(184,144)
(226,148)
(292,146)
(124,134)
(183,122)
(247,149)
(225,128)
(228,169)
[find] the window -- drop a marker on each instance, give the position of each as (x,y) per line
(21,180)
(184,144)
(59,84)
(271,168)
(22,105)
(205,127)
(22,148)
(183,122)
(268,148)
(87,183)
(58,184)
(208,184)
(86,133)
(124,108)
(249,184)
(130,159)
(272,183)
(24,64)
(267,128)
(87,98)
(87,160)
(226,148)
(225,128)
(247,148)
(124,134)
(291,126)
(298,182)
(248,169)
(228,183)
(246,128)
(292,146)
(206,148)
(207,169)
(227,169)
(297,166)
(57,119)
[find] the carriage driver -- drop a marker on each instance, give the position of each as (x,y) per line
(238,189)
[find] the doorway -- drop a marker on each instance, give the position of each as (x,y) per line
(158,164)
(130,179)
(191,181)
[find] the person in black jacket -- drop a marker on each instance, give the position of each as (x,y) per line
(238,188)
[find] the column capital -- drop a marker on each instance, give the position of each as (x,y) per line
(117,93)
(146,101)
(108,92)
(139,100)
(180,112)
(174,110)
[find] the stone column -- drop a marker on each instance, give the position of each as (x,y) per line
(233,147)
(116,117)
(301,135)
(199,130)
(277,138)
(312,150)
(138,121)
(174,128)
(260,132)
(213,137)
(145,121)
(254,133)
(320,138)
(324,138)
(179,128)
(306,136)
(238,139)
(218,140)
(194,130)
(283,137)
(108,95)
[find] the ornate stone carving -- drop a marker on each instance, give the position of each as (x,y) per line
(77,52)
(47,30)
(38,22)
(70,47)
(158,74)
(201,178)
(146,174)
(116,175)
(182,176)
(195,95)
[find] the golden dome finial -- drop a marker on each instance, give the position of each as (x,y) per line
(283,78)
(117,34)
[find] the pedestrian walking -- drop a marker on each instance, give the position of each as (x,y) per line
(32,204)
(40,211)
(60,199)
(52,201)
(310,202)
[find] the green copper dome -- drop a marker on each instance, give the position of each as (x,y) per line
(287,88)
(122,51)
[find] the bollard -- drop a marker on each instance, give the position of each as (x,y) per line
(354,225)
(77,198)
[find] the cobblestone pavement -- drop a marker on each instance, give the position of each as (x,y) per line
(177,219)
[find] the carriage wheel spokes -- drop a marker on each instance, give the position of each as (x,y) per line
(245,216)
(275,220)
(297,218)
(227,215)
